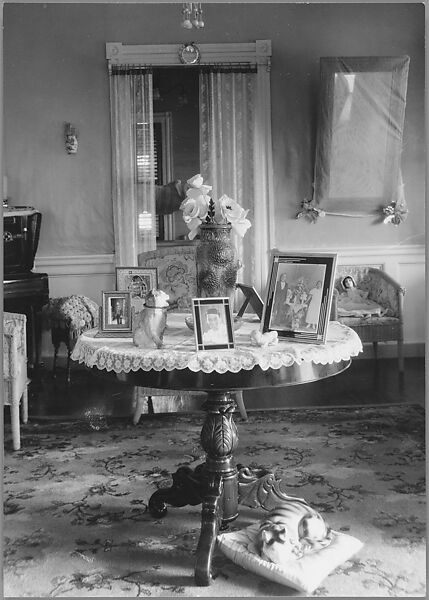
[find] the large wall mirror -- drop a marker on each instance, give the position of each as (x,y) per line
(178,117)
(359,140)
(176,137)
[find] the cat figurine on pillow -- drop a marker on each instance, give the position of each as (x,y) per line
(152,321)
(291,530)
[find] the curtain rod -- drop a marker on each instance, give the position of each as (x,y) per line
(226,67)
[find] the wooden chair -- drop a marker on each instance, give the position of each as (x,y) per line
(177,276)
(15,379)
(386,292)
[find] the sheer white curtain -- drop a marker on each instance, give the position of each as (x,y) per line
(227,146)
(133,168)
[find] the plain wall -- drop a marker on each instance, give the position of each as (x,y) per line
(55,71)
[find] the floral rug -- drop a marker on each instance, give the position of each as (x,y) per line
(76,522)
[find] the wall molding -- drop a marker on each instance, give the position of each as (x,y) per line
(380,252)
(85,264)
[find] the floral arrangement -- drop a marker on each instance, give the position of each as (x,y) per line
(198,208)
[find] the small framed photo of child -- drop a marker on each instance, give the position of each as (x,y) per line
(299,296)
(116,312)
(212,323)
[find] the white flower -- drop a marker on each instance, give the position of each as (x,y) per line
(241,226)
(196,181)
(234,214)
(230,209)
(196,193)
(205,189)
(194,226)
(194,208)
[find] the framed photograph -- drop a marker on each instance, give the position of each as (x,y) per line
(116,312)
(212,323)
(138,281)
(299,296)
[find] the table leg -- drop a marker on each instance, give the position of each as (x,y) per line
(219,439)
(214,483)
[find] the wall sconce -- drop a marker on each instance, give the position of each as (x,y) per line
(70,136)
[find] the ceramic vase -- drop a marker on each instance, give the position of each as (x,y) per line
(217,262)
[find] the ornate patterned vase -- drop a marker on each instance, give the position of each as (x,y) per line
(217,262)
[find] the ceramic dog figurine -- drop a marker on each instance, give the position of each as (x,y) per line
(290,531)
(152,320)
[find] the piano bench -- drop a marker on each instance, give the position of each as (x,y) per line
(67,317)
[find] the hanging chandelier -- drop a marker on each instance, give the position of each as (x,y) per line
(192,15)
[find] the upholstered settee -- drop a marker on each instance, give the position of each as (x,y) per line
(15,380)
(387,293)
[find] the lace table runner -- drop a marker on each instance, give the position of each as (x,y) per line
(120,354)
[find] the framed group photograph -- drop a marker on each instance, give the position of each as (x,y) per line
(212,323)
(116,313)
(138,281)
(299,296)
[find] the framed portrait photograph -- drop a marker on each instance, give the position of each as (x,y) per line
(138,281)
(116,314)
(212,323)
(299,296)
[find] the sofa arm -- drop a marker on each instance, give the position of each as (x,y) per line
(388,293)
(334,307)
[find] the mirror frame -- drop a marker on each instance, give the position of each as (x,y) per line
(259,53)
(363,205)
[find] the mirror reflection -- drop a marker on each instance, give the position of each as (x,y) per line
(176,138)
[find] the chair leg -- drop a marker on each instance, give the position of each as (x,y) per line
(401,356)
(375,346)
(54,366)
(240,404)
(14,415)
(68,364)
(25,405)
(138,411)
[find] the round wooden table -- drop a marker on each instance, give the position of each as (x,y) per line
(217,483)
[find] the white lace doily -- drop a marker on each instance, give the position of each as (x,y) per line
(120,354)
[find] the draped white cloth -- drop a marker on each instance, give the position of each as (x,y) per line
(133,179)
(227,145)
(121,356)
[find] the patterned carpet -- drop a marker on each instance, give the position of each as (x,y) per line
(76,522)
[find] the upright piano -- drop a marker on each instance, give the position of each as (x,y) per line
(24,291)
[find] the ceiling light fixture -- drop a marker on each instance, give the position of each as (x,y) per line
(192,10)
